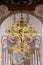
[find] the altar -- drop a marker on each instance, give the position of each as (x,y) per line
(20,43)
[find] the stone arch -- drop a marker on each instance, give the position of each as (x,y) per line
(18,11)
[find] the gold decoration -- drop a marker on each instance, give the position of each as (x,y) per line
(22,30)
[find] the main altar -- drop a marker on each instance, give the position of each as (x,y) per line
(21,45)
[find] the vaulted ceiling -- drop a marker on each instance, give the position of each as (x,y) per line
(16,5)
(24,4)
